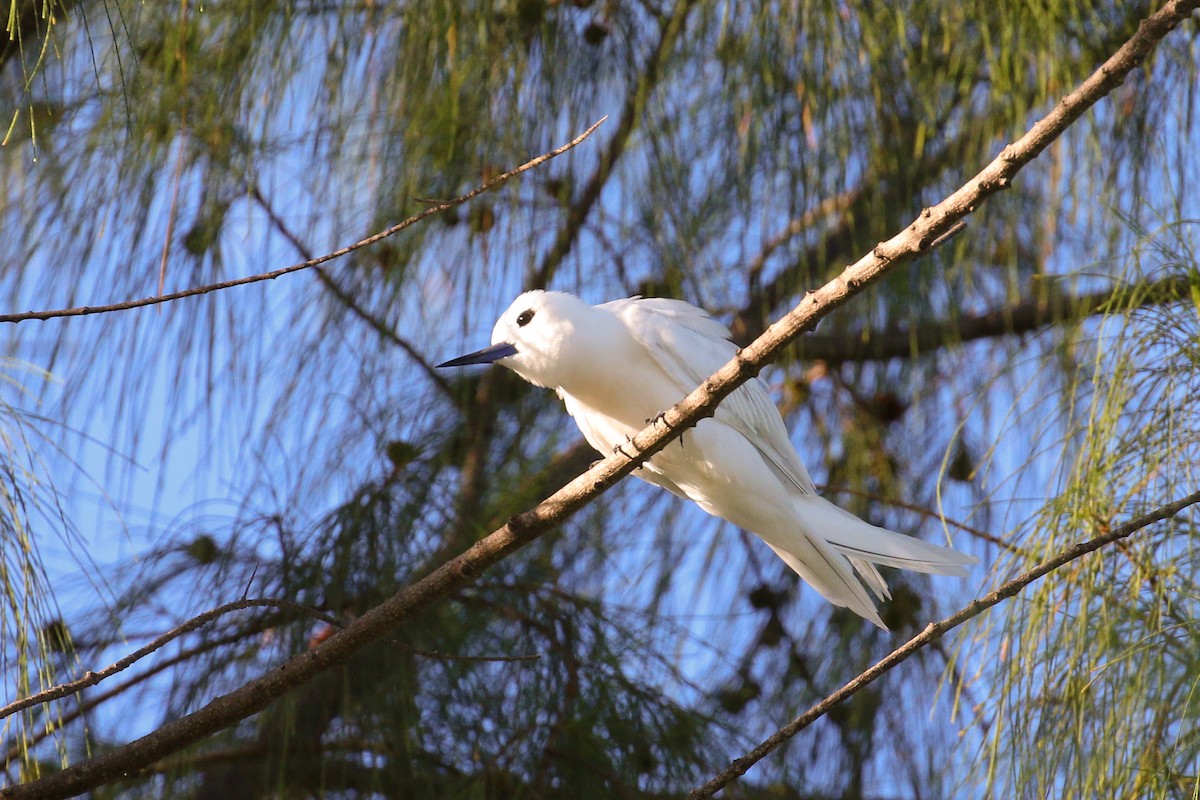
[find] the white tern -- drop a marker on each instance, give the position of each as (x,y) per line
(618,365)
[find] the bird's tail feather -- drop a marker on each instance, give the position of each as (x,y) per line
(828,571)
(862,541)
(871,577)
(832,540)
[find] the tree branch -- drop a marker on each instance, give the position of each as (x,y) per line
(1052,307)
(932,633)
(345,298)
(312,262)
(91,678)
(55,720)
(627,123)
(521,529)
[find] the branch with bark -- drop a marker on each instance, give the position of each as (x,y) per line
(1052,307)
(437,208)
(932,633)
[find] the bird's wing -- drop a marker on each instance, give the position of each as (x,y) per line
(600,434)
(689,346)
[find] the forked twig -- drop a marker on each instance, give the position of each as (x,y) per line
(441,206)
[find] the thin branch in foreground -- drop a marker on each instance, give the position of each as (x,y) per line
(91,678)
(55,720)
(932,633)
(312,262)
(914,241)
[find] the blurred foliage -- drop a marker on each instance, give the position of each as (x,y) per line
(289,440)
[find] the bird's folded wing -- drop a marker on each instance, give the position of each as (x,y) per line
(689,346)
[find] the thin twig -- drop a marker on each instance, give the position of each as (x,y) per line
(55,720)
(269,276)
(51,725)
(955,230)
(933,632)
(91,678)
(437,655)
(348,300)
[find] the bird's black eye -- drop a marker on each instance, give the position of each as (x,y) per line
(524,317)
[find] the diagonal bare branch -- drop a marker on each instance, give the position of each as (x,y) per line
(627,123)
(312,262)
(58,719)
(91,678)
(916,240)
(932,633)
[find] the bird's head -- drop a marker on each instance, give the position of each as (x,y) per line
(531,337)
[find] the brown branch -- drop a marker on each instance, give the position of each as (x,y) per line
(345,298)
(1053,306)
(627,123)
(91,678)
(268,276)
(52,724)
(933,632)
(523,528)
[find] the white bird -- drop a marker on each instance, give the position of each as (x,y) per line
(618,365)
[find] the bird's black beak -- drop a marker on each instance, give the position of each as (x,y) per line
(485,356)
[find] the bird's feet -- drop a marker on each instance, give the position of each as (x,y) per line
(657,418)
(661,416)
(620,448)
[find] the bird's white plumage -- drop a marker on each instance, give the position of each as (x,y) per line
(617,365)
(689,346)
